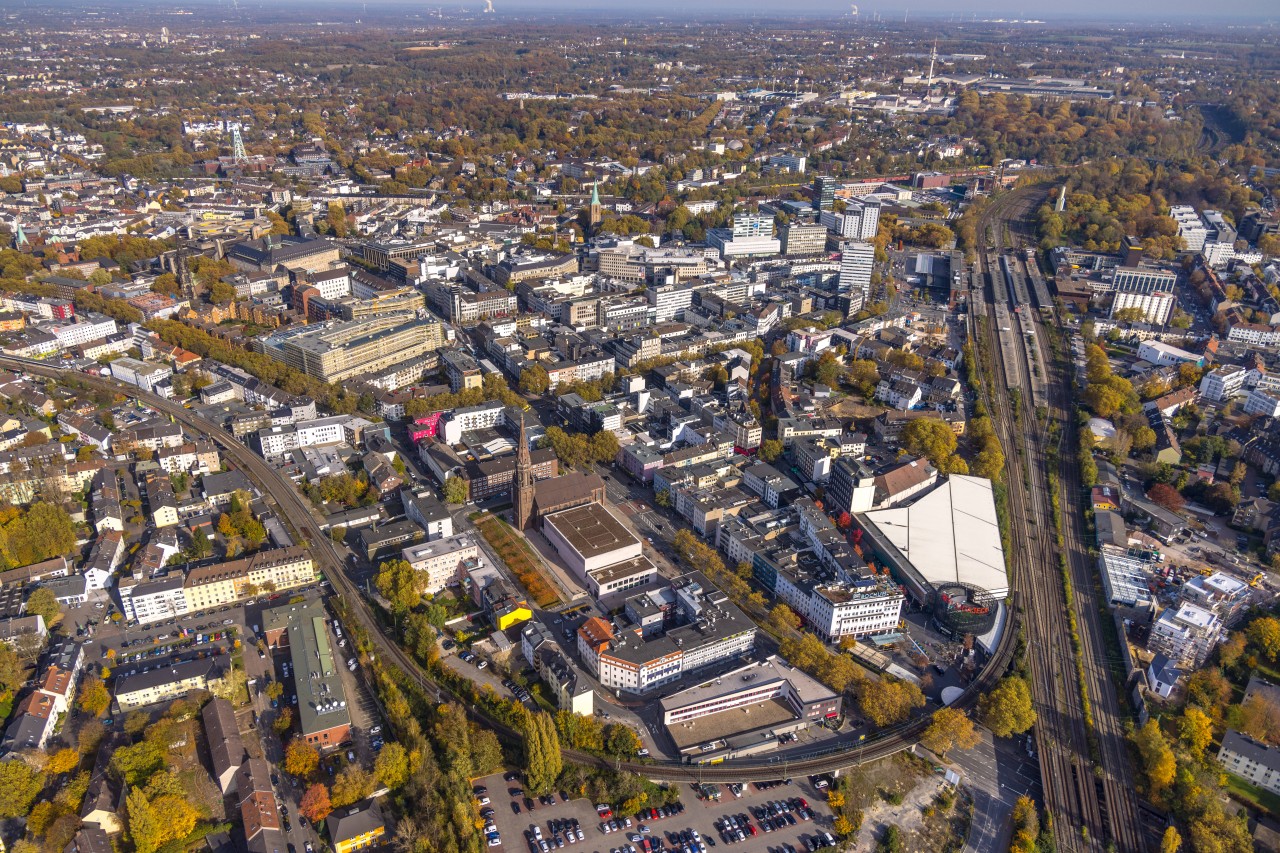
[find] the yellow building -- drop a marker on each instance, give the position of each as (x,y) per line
(216,586)
(357,826)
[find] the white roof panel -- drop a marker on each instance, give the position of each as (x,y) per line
(950,534)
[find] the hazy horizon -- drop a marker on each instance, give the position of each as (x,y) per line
(1173,12)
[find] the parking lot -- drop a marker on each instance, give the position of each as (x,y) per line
(512,819)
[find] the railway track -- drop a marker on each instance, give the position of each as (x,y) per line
(1061,740)
(1093,807)
(281,493)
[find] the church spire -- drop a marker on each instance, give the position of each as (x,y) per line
(522,488)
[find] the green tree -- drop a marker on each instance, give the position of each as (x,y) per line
(1007,710)
(662,497)
(19,785)
(534,379)
(12,674)
(770,449)
(456,490)
(399,584)
(543,761)
(136,764)
(42,603)
(621,740)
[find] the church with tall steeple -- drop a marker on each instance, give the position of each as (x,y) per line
(595,213)
(522,488)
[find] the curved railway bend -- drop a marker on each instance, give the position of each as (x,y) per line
(296,511)
(1092,804)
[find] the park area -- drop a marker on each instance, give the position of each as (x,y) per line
(519,558)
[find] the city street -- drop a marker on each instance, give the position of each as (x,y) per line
(996,772)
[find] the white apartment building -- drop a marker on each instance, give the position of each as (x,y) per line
(1156,305)
(483,416)
(322,431)
(857,260)
(86,329)
(833,611)
(154,600)
(1223,383)
(1190,228)
(442,560)
(1251,760)
(1261,402)
(669,301)
(145,375)
(1186,634)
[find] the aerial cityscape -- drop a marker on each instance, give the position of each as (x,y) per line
(485,427)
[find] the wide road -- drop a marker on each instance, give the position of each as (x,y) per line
(298,513)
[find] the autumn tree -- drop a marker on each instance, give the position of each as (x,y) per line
(888,701)
(301,759)
(42,603)
(1166,496)
(1263,634)
(93,698)
(1195,730)
(1007,710)
(931,438)
(1157,759)
(315,803)
(392,766)
(353,784)
(950,729)
(783,619)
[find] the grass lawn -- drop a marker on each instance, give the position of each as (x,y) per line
(1253,795)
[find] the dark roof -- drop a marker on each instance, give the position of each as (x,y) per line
(356,820)
(178,672)
(90,839)
(1252,750)
(225,746)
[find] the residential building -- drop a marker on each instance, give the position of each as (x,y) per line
(337,350)
(442,561)
(1265,403)
(1223,383)
(145,375)
(356,827)
(857,261)
(226,749)
(166,683)
(1186,634)
(214,586)
(1251,760)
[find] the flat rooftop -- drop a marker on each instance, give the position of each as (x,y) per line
(950,534)
(772,670)
(725,724)
(591,530)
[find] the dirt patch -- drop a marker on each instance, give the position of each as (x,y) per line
(903,791)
